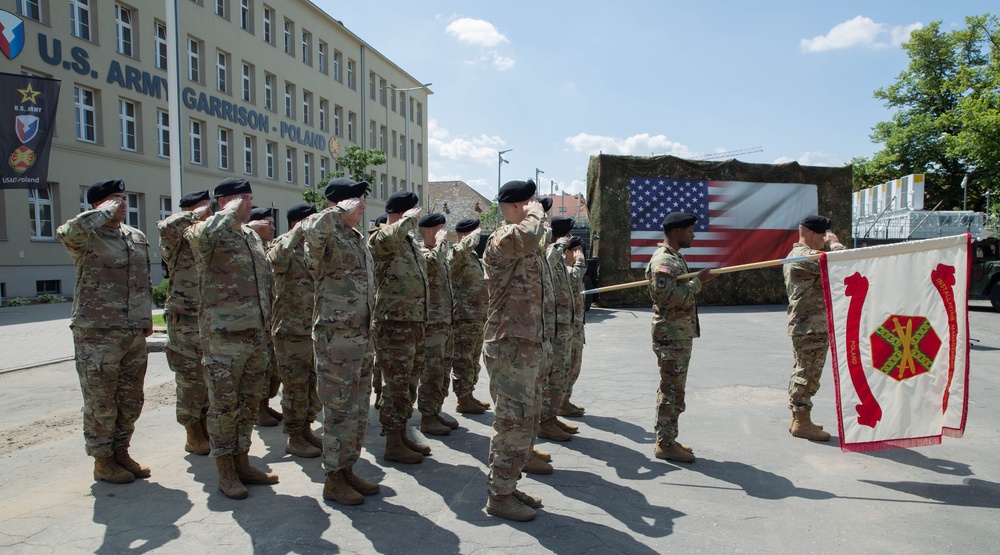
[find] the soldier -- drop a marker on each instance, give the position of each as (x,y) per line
(513,345)
(262,223)
(112,316)
(291,329)
(235,322)
(400,312)
(437,331)
(376,373)
(675,324)
(470,299)
(807,324)
(181,314)
(576,266)
(343,271)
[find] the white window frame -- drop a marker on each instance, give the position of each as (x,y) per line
(371,133)
(306,47)
(163,134)
(289,100)
(269,158)
(381,138)
(32,9)
(289,32)
(133,210)
(289,164)
(84,205)
(123,31)
(269,91)
(269,25)
(337,59)
(322,55)
(306,108)
(350,74)
(166,208)
(220,9)
(246,20)
(80,19)
(337,115)
(222,71)
(324,164)
(196,130)
(323,104)
(85,104)
(194,60)
(225,150)
(307,169)
(351,117)
(249,154)
(247,82)
(128,124)
(160,45)
(371,85)
(37,200)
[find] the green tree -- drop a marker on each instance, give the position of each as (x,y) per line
(946,125)
(356,161)
(490,219)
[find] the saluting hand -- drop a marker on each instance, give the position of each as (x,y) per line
(534,207)
(112,204)
(234,204)
(564,241)
(415,211)
(440,236)
(349,205)
(202,212)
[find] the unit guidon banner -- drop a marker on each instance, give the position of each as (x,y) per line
(27,120)
(899,335)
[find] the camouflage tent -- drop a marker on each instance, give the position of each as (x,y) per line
(608,204)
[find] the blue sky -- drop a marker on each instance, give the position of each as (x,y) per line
(558,81)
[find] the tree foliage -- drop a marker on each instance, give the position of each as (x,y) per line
(947,123)
(356,161)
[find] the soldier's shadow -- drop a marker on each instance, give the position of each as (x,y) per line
(754,481)
(396,529)
(919,460)
(129,525)
(628,464)
(970,493)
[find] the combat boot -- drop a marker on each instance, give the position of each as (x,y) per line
(125,461)
(447,420)
(396,451)
(431,425)
(264,416)
(508,507)
(312,438)
(568,428)
(532,501)
(106,469)
(250,475)
(197,442)
(360,485)
(673,452)
(229,482)
(544,455)
(550,430)
(485,404)
(414,446)
(535,465)
(802,426)
(298,446)
(468,405)
(337,489)
(570,410)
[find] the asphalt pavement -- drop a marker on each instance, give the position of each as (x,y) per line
(753,489)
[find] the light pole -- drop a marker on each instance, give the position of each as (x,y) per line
(409,154)
(552,187)
(500,162)
(537,171)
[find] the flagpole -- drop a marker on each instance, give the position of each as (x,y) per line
(174,105)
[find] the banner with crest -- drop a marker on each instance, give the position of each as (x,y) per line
(28,119)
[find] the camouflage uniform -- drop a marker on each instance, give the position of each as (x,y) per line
(470,299)
(181,314)
(807,326)
(437,340)
(515,324)
(112,309)
(558,364)
(401,299)
(576,272)
(342,269)
(234,319)
(675,324)
(292,315)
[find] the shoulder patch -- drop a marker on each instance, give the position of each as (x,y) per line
(664,269)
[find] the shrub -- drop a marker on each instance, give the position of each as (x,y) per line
(49,298)
(18,301)
(160,293)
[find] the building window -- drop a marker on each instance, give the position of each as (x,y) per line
(79,18)
(381,91)
(420,155)
(383,184)
(222,71)
(220,8)
(132,210)
(249,154)
(269,159)
(381,138)
(163,133)
(350,75)
(31,9)
(84,205)
(338,113)
(324,164)
(289,31)
(86,114)
(289,100)
(269,91)
(166,208)
(371,85)
(123,29)
(420,113)
(307,98)
(394,145)
(289,165)
(40,209)
(247,82)
(306,48)
(402,103)
(307,169)
(268,23)
(337,59)
(393,98)
(371,134)
(194,60)
(196,145)
(245,21)
(322,57)
(224,137)
(47,287)
(410,107)
(402,147)
(322,114)
(160,45)
(394,186)
(127,120)
(351,118)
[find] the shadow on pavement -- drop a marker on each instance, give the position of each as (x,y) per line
(618,427)
(565,534)
(755,482)
(628,464)
(971,493)
(129,525)
(396,529)
(919,460)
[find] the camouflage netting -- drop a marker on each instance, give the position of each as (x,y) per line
(608,204)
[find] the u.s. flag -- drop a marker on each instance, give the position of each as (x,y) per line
(738,222)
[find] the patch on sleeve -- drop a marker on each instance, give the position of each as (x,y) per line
(661,281)
(664,269)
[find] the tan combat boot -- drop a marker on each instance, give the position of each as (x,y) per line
(485,404)
(197,441)
(298,446)
(570,410)
(251,475)
(532,501)
(125,461)
(550,430)
(543,455)
(106,469)
(414,446)
(468,405)
(360,485)
(396,451)
(229,482)
(673,452)
(431,425)
(312,438)
(265,417)
(337,489)
(535,465)
(802,426)
(568,428)
(508,507)
(447,420)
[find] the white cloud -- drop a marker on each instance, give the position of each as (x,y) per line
(475,31)
(492,58)
(502,63)
(477,150)
(813,158)
(859,32)
(642,144)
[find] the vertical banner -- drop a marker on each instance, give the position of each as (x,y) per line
(27,119)
(899,338)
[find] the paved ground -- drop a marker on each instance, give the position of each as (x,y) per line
(754,488)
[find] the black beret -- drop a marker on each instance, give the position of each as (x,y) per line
(343,188)
(379,221)
(560,226)
(546,203)
(819,224)
(232,186)
(261,213)
(400,201)
(676,220)
(467,225)
(574,242)
(431,220)
(103,189)
(516,191)
(192,199)
(300,212)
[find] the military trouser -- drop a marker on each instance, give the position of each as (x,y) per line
(272,379)
(236,369)
(399,353)
(297,371)
(344,359)
(111,365)
(184,358)
(467,341)
(557,372)
(515,374)
(575,359)
(437,365)
(810,357)
(673,357)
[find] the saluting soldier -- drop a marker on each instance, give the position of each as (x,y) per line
(576,267)
(470,299)
(181,313)
(112,316)
(675,325)
(262,223)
